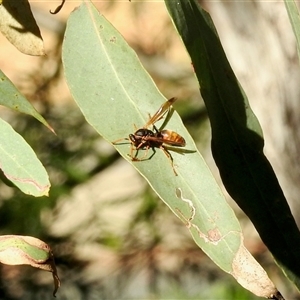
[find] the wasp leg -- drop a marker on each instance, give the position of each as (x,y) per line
(154,152)
(134,158)
(168,154)
(119,140)
(133,147)
(145,154)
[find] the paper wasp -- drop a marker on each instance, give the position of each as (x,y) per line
(145,138)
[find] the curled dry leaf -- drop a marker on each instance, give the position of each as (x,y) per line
(27,250)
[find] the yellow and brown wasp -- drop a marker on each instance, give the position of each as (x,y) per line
(145,138)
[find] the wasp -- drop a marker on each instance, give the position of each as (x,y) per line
(145,138)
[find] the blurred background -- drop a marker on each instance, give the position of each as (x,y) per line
(111,236)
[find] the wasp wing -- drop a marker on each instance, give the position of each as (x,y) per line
(161,112)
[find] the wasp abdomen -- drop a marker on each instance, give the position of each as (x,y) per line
(172,138)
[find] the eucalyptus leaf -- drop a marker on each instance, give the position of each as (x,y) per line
(20,28)
(293,12)
(27,250)
(237,139)
(116,95)
(10,97)
(20,164)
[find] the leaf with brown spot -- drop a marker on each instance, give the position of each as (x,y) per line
(237,139)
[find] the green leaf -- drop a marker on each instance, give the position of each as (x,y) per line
(237,141)
(27,250)
(19,27)
(20,164)
(12,98)
(114,92)
(294,16)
